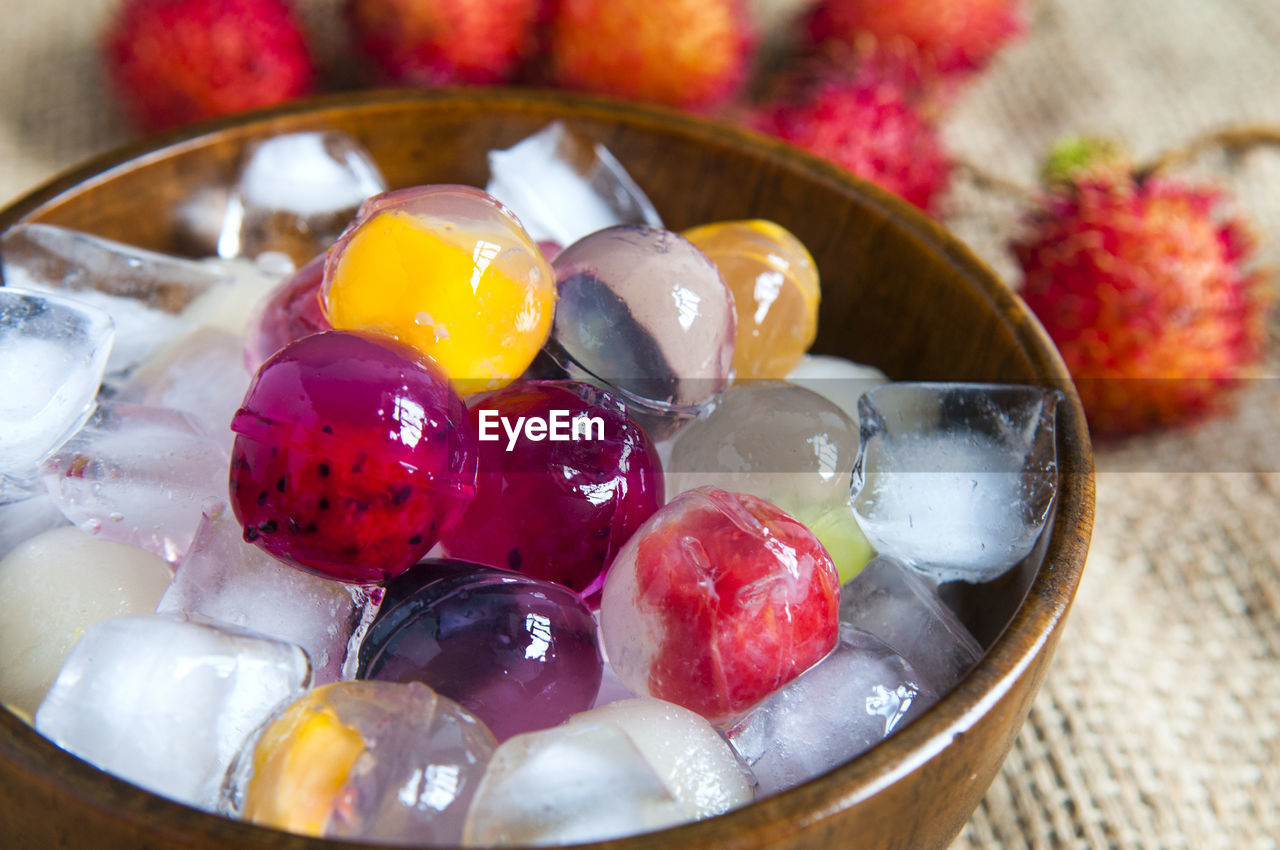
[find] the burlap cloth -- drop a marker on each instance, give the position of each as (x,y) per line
(1159,724)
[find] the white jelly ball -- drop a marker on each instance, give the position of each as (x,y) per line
(836,379)
(52,588)
(692,760)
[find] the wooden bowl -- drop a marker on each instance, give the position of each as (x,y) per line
(898,292)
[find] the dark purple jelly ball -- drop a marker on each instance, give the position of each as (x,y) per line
(556,509)
(352,456)
(520,653)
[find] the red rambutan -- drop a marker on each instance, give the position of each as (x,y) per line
(1147,290)
(444,42)
(868,124)
(687,53)
(176,61)
(953,35)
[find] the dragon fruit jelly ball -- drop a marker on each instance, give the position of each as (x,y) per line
(556,505)
(352,456)
(519,653)
(717,601)
(449,271)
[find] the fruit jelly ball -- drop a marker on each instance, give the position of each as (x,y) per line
(645,311)
(376,761)
(290,312)
(689,756)
(518,652)
(449,271)
(352,456)
(717,601)
(775,291)
(557,509)
(53,587)
(787,445)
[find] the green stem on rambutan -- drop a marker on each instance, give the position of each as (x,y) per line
(1230,140)
(990,180)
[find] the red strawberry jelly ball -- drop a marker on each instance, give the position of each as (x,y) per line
(556,502)
(717,601)
(352,456)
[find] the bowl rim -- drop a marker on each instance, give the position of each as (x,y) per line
(1034,627)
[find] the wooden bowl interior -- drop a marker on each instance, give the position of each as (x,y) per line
(898,293)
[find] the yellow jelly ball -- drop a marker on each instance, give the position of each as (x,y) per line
(300,766)
(775,290)
(478,301)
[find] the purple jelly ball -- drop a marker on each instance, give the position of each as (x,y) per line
(290,312)
(352,456)
(519,653)
(566,477)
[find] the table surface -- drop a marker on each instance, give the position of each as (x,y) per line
(1159,724)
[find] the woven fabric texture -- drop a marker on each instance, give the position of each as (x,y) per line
(1159,723)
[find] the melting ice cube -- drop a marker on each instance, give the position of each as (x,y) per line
(166,703)
(53,352)
(295,193)
(845,704)
(897,605)
(563,186)
(202,374)
(138,475)
(225,579)
(956,479)
(152,298)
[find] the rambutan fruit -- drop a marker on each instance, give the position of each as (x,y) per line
(692,54)
(955,36)
(445,42)
(177,61)
(867,123)
(1147,288)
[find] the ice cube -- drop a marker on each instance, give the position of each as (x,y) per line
(53,587)
(166,703)
(202,374)
(60,258)
(840,381)
(896,605)
(53,352)
(223,578)
(141,290)
(847,703)
(563,186)
(138,475)
(567,785)
(957,480)
(295,193)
